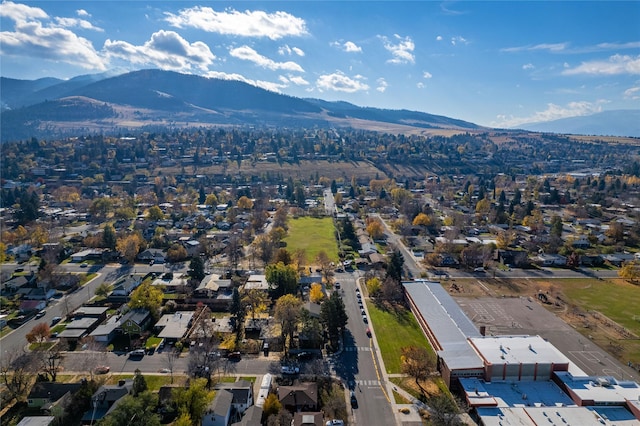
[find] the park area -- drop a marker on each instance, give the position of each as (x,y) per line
(312,235)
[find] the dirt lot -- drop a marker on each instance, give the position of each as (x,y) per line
(595,342)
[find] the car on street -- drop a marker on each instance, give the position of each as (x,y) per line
(55,320)
(41,314)
(365,319)
(480,269)
(354,400)
(368,332)
(84,264)
(304,356)
(338,286)
(137,353)
(362,312)
(234,356)
(102,369)
(289,369)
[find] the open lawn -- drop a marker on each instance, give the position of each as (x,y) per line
(154,381)
(395,330)
(617,299)
(617,329)
(312,235)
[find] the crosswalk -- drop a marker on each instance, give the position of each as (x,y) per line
(357,349)
(368,382)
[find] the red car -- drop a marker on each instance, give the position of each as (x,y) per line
(368,332)
(103,369)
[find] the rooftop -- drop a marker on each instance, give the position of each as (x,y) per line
(517,350)
(448,324)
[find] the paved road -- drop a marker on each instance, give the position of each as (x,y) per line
(357,365)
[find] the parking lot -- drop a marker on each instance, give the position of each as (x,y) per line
(523,315)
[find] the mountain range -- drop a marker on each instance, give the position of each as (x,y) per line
(153,99)
(606,123)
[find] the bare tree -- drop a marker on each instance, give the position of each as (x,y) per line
(170,359)
(16,372)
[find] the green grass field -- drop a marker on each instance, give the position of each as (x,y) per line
(312,235)
(616,299)
(395,330)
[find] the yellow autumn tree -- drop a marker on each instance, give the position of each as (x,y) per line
(316,294)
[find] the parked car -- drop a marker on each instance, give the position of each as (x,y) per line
(338,286)
(41,314)
(354,400)
(289,369)
(55,320)
(102,369)
(136,353)
(234,356)
(368,332)
(365,319)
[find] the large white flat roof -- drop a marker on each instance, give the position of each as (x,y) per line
(499,350)
(514,394)
(558,416)
(601,389)
(447,322)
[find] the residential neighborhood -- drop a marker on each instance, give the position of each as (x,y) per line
(193,281)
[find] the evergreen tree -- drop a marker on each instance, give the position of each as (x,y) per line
(196,269)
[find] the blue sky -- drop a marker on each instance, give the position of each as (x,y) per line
(502,64)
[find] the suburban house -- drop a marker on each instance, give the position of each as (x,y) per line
(152,256)
(125,285)
(307,419)
(302,397)
(251,417)
(32,306)
(105,400)
(211,285)
(256,282)
(173,327)
(242,391)
(79,328)
(46,395)
(135,321)
(218,413)
(104,333)
(171,283)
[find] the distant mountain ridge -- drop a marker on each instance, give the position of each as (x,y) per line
(606,123)
(146,99)
(155,97)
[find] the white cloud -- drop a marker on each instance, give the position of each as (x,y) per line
(246,53)
(382,85)
(166,50)
(458,40)
(351,47)
(528,66)
(553,112)
(632,93)
(286,50)
(82,12)
(551,47)
(402,51)
(439,38)
(21,12)
(297,80)
(34,40)
(232,22)
(427,75)
(616,64)
(267,85)
(75,22)
(339,82)
(420,85)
